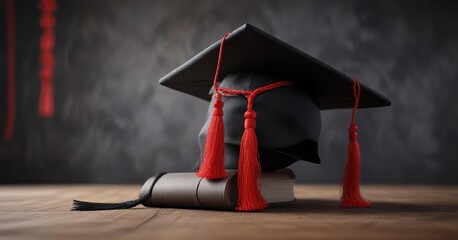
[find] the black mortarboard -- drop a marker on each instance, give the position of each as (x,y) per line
(291,88)
(251,49)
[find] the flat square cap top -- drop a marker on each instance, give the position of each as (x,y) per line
(251,49)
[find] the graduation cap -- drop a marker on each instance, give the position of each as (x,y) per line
(271,94)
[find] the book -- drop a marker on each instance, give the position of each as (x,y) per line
(186,190)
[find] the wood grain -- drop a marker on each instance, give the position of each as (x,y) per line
(399,212)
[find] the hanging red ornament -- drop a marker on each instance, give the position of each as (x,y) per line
(47,60)
(10,70)
(351,195)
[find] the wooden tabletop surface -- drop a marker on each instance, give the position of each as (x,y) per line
(399,212)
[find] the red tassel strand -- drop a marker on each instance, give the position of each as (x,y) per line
(10,71)
(250,198)
(47,23)
(351,194)
(249,171)
(212,156)
(212,167)
(213,152)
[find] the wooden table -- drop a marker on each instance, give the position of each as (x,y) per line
(400,212)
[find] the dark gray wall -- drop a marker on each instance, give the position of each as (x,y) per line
(114,123)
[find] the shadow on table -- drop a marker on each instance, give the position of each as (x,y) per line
(332,207)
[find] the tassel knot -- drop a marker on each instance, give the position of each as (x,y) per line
(250,119)
(218,106)
(353,132)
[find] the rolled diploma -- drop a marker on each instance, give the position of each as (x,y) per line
(186,190)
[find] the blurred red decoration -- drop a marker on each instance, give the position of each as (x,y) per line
(47,60)
(10,70)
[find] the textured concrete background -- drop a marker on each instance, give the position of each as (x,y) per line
(114,123)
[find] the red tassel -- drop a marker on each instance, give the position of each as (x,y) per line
(10,70)
(351,195)
(250,198)
(47,41)
(46,104)
(212,156)
(213,152)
